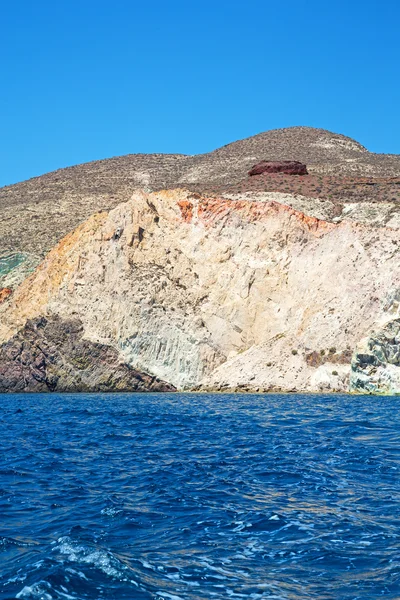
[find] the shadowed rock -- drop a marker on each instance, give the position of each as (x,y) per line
(288,167)
(375,366)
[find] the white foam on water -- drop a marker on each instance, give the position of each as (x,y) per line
(111,512)
(79,573)
(170,596)
(41,591)
(222,572)
(38,590)
(174,576)
(94,557)
(147,565)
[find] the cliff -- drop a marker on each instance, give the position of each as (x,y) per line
(211,293)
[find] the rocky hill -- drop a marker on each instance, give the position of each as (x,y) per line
(36,214)
(268,281)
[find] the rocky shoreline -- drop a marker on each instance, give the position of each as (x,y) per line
(49,355)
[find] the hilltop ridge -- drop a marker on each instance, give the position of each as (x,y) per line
(35,214)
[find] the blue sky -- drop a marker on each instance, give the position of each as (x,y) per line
(93,79)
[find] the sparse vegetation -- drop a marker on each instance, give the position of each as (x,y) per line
(316,359)
(68,196)
(335,188)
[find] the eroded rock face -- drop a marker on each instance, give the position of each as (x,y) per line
(375,366)
(289,167)
(211,293)
(51,355)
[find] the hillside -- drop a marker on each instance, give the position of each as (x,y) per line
(192,293)
(218,279)
(35,214)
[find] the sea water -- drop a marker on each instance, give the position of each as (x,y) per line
(199,496)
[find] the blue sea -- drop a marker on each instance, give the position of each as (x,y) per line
(199,496)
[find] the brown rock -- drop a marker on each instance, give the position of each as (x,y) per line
(289,167)
(4,294)
(50,354)
(186,210)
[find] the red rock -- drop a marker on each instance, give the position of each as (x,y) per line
(186,210)
(289,167)
(4,294)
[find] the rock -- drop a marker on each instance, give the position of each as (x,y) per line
(16,266)
(186,210)
(204,293)
(4,294)
(49,354)
(288,167)
(117,233)
(375,367)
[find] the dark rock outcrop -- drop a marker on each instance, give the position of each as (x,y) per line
(288,167)
(50,354)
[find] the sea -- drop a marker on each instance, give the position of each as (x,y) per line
(199,496)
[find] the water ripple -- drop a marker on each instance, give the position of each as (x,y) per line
(191,497)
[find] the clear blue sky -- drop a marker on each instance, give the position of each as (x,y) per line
(82,80)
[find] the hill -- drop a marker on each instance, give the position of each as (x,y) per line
(36,214)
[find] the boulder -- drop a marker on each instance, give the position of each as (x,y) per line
(288,167)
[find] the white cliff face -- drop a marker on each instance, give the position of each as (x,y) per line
(218,293)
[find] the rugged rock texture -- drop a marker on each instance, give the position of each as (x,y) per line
(4,294)
(50,355)
(36,214)
(15,267)
(214,293)
(376,360)
(289,167)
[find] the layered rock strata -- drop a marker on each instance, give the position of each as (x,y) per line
(217,294)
